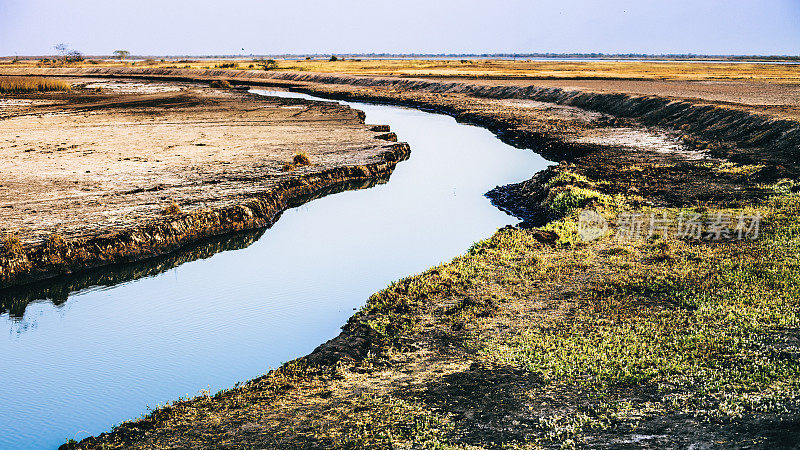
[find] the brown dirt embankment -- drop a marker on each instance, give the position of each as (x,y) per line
(778,99)
(657,151)
(118,171)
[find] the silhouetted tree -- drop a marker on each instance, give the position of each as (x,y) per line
(62,49)
(74,56)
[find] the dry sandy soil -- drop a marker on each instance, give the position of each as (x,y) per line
(112,154)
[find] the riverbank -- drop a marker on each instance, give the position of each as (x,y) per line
(117,171)
(521,343)
(535,338)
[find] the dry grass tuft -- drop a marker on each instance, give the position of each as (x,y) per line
(173,210)
(298,159)
(11,245)
(55,242)
(301,159)
(221,84)
(12,85)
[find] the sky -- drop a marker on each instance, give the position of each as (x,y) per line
(198,27)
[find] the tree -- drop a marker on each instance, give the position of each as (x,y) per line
(68,54)
(74,56)
(62,49)
(121,54)
(267,64)
(333,58)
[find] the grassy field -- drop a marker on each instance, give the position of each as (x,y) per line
(686,71)
(13,85)
(647,331)
(556,69)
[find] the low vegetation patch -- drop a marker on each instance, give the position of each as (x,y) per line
(562,201)
(15,85)
(172,210)
(567,177)
(729,168)
(301,159)
(11,245)
(707,329)
(221,84)
(373,421)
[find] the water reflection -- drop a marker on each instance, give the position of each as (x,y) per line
(15,300)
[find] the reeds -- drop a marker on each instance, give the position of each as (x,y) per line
(13,85)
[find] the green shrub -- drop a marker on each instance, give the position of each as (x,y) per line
(564,200)
(566,177)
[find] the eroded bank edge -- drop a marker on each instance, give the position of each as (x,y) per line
(57,256)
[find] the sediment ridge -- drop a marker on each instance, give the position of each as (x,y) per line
(58,257)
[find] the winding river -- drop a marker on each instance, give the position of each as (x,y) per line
(81,356)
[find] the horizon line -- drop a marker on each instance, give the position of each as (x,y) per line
(449,55)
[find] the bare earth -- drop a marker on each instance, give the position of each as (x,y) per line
(113,154)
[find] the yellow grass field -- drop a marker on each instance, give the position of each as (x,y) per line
(478,68)
(10,85)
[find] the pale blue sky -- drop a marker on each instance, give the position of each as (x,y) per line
(165,27)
